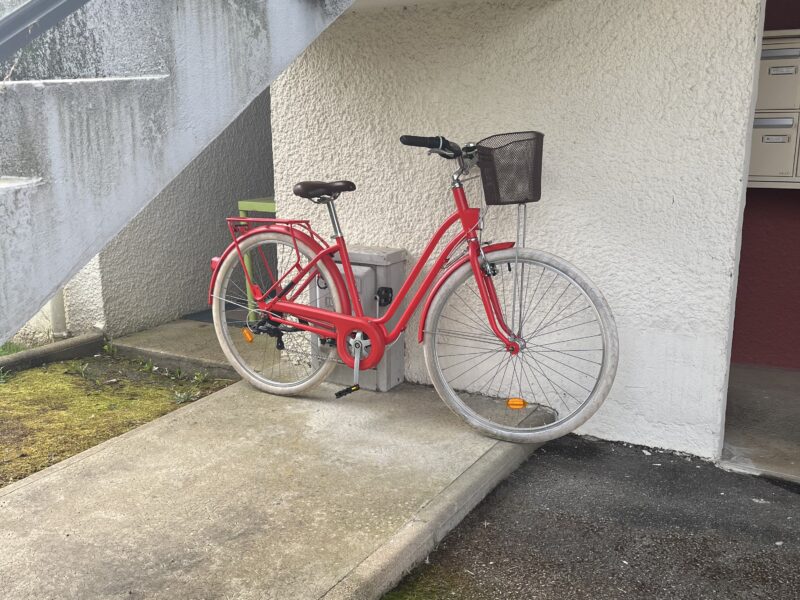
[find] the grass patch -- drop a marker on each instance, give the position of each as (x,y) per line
(433,582)
(50,413)
(10,348)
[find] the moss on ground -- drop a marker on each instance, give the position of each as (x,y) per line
(52,412)
(10,348)
(433,582)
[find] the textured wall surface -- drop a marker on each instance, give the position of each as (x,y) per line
(83,308)
(104,147)
(83,299)
(645,107)
(157,268)
(101,39)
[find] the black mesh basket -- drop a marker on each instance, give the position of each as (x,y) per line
(511,167)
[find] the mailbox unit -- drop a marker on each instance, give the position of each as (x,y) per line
(374,268)
(775,154)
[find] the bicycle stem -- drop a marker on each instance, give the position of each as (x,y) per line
(467,160)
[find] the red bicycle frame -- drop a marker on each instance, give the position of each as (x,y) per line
(280,298)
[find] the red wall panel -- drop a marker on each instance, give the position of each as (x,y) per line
(766,330)
(782,14)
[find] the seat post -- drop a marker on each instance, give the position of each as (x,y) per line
(337,231)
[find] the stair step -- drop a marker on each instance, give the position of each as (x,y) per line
(12,183)
(39,83)
(112,115)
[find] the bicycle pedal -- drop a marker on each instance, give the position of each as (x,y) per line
(348,390)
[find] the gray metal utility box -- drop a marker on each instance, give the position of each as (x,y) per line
(374,268)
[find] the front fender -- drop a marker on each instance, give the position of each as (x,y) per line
(305,239)
(440,282)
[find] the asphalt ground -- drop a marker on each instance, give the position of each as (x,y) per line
(590,519)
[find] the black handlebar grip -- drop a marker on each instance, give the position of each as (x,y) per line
(434,143)
(422,142)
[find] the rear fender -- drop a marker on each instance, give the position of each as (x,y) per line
(447,274)
(301,237)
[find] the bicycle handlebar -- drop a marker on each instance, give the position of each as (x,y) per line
(438,144)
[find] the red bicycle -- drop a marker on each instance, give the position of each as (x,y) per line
(517,342)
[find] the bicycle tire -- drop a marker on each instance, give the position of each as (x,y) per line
(536,359)
(319,361)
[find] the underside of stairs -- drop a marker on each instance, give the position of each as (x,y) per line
(103,111)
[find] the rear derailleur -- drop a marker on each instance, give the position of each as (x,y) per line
(273,329)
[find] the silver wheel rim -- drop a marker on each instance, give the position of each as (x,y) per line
(279,364)
(543,365)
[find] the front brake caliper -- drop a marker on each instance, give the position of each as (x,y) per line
(490,268)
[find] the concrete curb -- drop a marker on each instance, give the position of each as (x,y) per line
(385,567)
(76,347)
(736,467)
(170,360)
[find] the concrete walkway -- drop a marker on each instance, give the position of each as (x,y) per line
(762,435)
(186,344)
(246,495)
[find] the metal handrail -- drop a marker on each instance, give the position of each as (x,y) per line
(19,27)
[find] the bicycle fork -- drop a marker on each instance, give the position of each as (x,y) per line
(484,271)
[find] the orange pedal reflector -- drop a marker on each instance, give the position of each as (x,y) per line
(516,403)
(247,335)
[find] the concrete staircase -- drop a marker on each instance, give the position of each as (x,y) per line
(100,113)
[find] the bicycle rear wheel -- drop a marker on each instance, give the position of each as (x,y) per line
(568,356)
(287,364)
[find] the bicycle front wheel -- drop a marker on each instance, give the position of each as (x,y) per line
(568,357)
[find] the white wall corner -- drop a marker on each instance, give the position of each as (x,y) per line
(645,108)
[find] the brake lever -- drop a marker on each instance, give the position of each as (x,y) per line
(442,153)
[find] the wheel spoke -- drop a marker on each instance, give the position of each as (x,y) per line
(555,318)
(465,371)
(562,349)
(302,362)
(553,385)
(534,336)
(563,363)
(479,321)
(534,347)
(463,336)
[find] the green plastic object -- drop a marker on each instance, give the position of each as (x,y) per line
(266,205)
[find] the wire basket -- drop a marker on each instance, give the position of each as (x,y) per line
(511,167)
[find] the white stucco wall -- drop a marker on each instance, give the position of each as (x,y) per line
(646,109)
(83,299)
(35,332)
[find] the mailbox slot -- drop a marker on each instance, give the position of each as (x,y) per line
(779,78)
(774,145)
(775,148)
